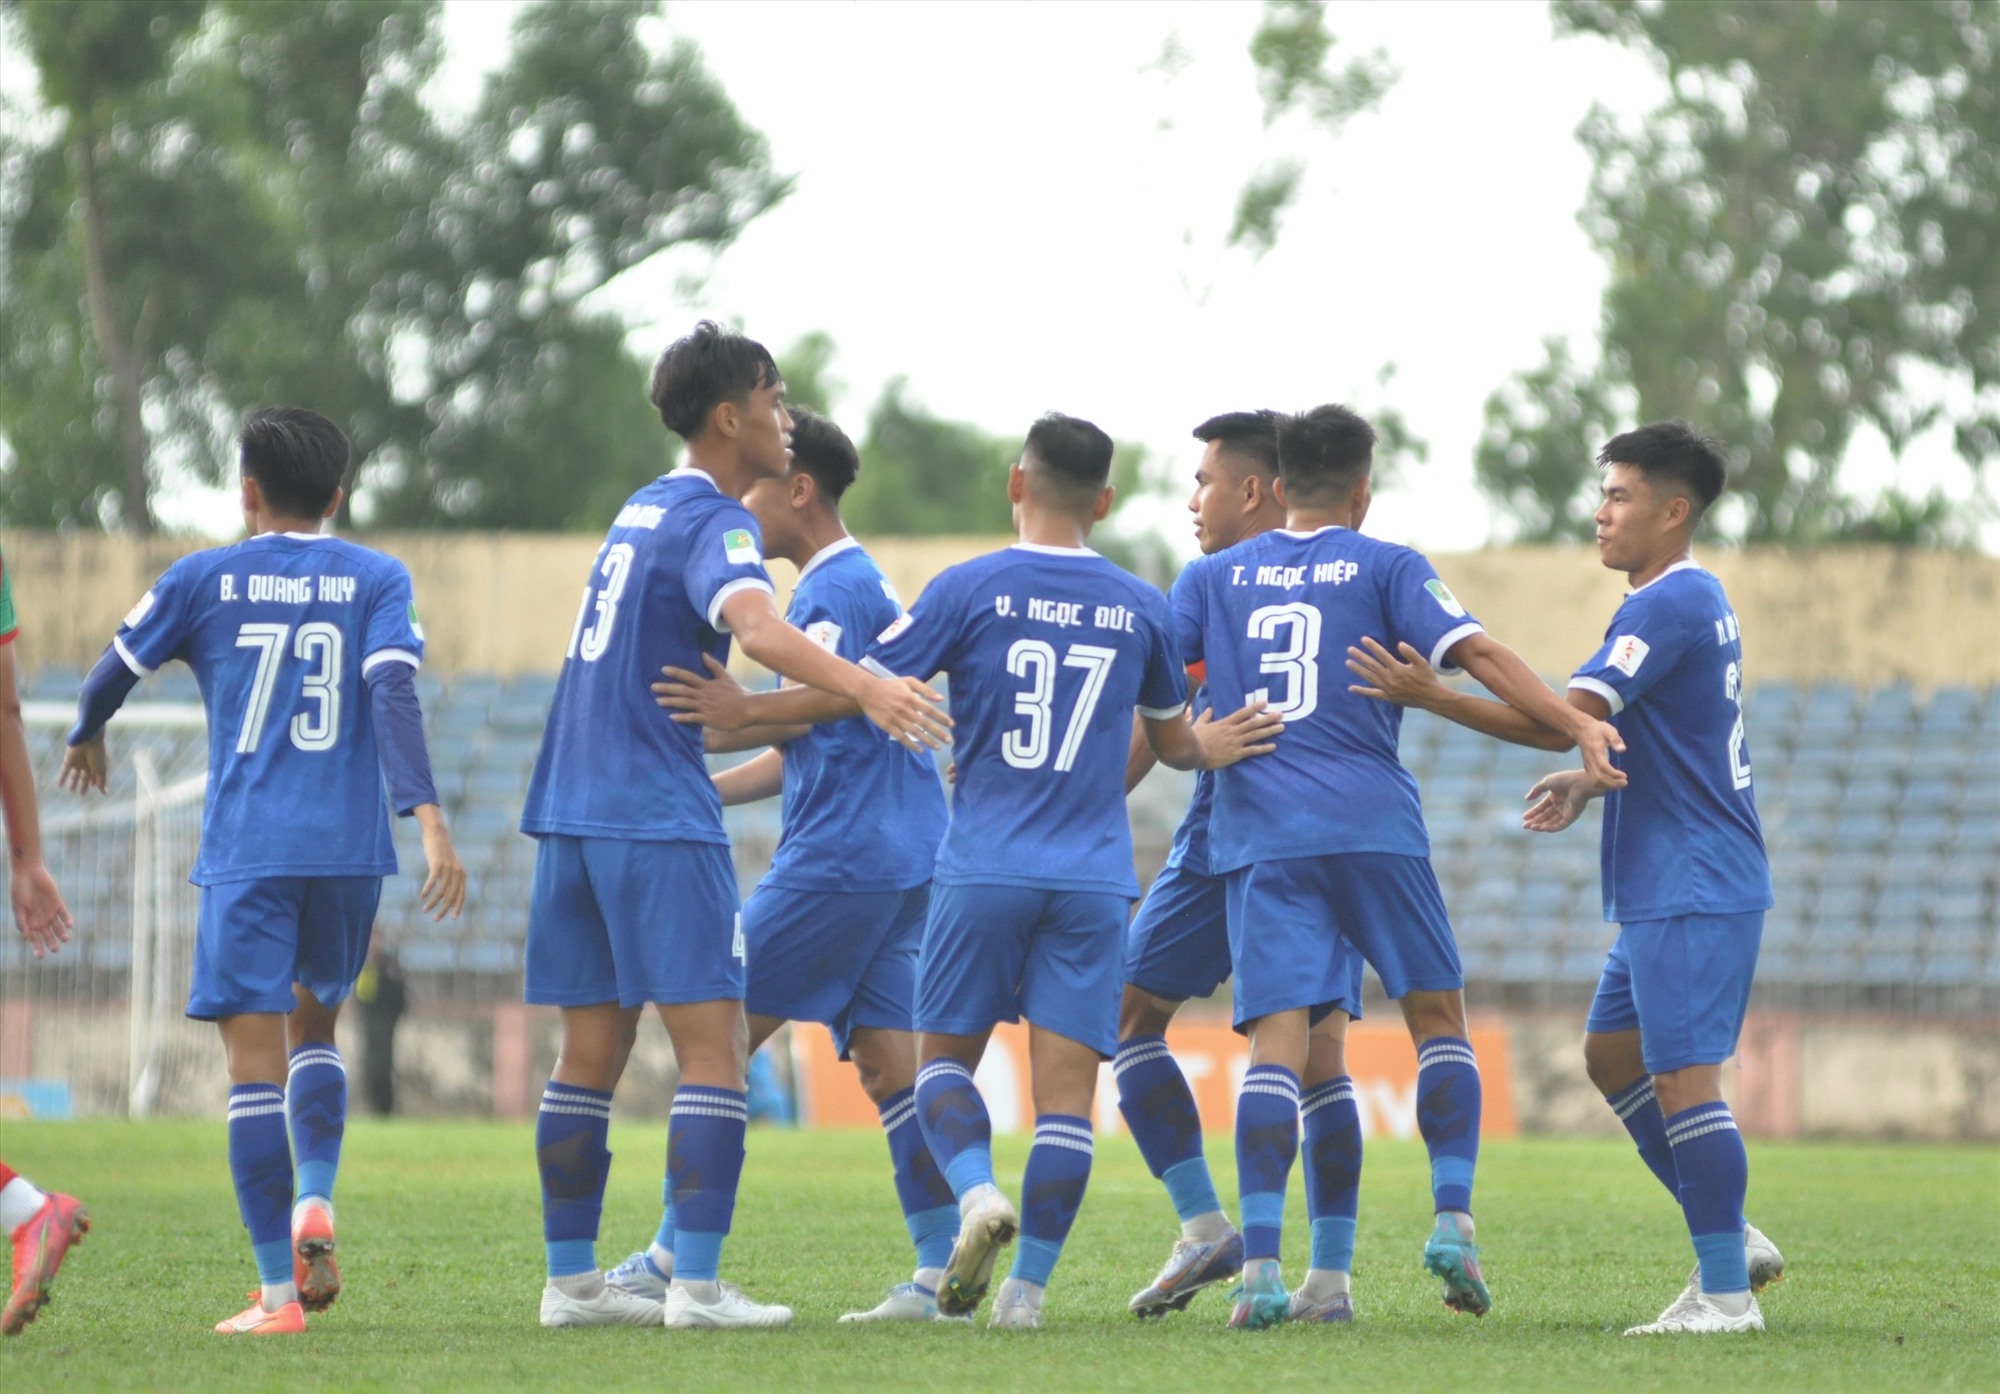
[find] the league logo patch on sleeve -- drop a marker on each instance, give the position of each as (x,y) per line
(415,628)
(1447,602)
(741,548)
(896,626)
(138,613)
(825,633)
(1628,651)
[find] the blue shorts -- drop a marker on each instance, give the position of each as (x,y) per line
(999,953)
(616,920)
(254,939)
(1178,943)
(1295,926)
(845,958)
(1682,983)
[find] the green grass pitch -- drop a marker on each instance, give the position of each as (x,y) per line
(1893,1253)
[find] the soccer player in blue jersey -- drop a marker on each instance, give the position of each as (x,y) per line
(1178,947)
(1685,874)
(634,897)
(831,933)
(1049,650)
(1323,841)
(306,647)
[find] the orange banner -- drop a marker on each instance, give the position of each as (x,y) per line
(1380,1059)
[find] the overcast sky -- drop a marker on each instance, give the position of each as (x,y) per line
(1023,207)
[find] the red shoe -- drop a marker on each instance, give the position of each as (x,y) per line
(288,1320)
(39,1246)
(313,1268)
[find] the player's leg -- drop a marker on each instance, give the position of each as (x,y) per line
(1330,1125)
(1177,948)
(1691,979)
(1617,1067)
(247,939)
(42,1227)
(570,964)
(338,917)
(974,948)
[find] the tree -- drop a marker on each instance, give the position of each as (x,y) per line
(1804,238)
(921,474)
(1542,433)
(282,218)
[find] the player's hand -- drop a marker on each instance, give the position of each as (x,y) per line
(1595,740)
(951,773)
(39,912)
(444,888)
(85,767)
(1557,801)
(717,701)
(908,711)
(1409,681)
(1250,730)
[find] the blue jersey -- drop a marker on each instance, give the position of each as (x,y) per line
(1190,849)
(1271,620)
(612,764)
(861,813)
(281,630)
(1682,838)
(1048,650)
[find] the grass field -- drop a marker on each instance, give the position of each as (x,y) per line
(1893,1252)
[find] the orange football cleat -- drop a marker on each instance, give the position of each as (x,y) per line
(288,1320)
(313,1268)
(39,1246)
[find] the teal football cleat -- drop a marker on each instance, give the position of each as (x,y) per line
(1454,1258)
(1262,1300)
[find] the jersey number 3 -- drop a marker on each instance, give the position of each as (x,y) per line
(1297,662)
(1035,660)
(318,644)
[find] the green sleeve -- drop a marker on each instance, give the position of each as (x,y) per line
(8,625)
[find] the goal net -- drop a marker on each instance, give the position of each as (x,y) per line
(97,1028)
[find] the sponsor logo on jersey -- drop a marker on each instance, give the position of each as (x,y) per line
(138,613)
(1447,602)
(741,548)
(1628,651)
(896,626)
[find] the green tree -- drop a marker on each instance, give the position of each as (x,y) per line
(1803,238)
(1543,430)
(278,216)
(922,474)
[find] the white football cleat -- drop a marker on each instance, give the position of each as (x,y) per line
(685,1312)
(638,1276)
(1767,1266)
(983,1232)
(612,1307)
(1017,1306)
(905,1302)
(1700,1317)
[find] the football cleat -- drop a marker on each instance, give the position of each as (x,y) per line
(905,1302)
(1454,1258)
(639,1276)
(314,1272)
(982,1233)
(731,1307)
(1262,1300)
(40,1244)
(1700,1317)
(288,1320)
(1193,1265)
(1767,1266)
(1338,1309)
(1015,1307)
(611,1307)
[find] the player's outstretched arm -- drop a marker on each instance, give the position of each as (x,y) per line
(1410,681)
(1139,759)
(734,719)
(85,765)
(39,912)
(1508,677)
(1558,800)
(1209,744)
(760,778)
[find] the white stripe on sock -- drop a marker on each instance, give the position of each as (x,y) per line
(1638,1101)
(1065,1140)
(740,1115)
(1128,1058)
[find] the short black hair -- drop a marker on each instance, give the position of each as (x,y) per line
(710,366)
(1248,437)
(1675,454)
(1075,453)
(822,450)
(298,458)
(1323,453)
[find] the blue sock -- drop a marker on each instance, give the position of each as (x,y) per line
(316,1105)
(1714,1173)
(1159,1109)
(704,1162)
(574,1162)
(1051,1192)
(664,1236)
(1638,1108)
(1331,1122)
(955,1125)
(929,1210)
(260,1163)
(1267,1142)
(1448,1101)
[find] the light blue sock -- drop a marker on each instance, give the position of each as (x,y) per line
(1191,1188)
(1714,1173)
(316,1106)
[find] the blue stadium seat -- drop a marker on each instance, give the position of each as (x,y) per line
(1937,791)
(1952,712)
(1890,708)
(1920,830)
(1878,760)
(1828,712)
(427,955)
(1949,970)
(1580,966)
(53,684)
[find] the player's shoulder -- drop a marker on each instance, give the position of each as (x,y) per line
(1682,591)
